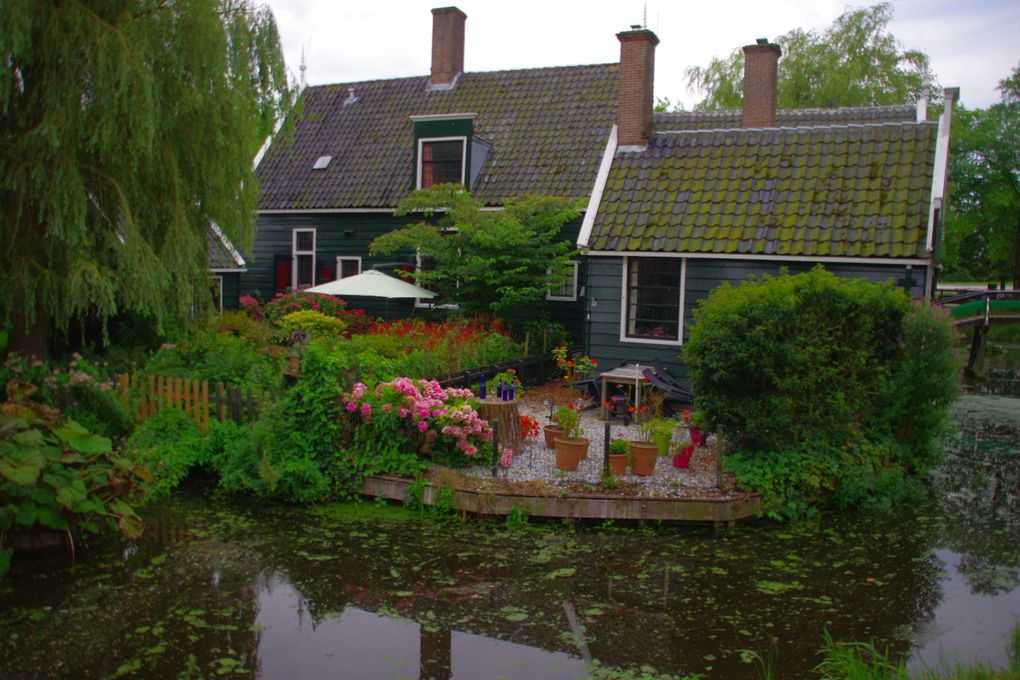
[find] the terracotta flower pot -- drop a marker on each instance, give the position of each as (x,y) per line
(551,432)
(568,453)
(618,464)
(642,458)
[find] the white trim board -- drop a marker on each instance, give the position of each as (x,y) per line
(596,193)
(767,258)
(624,302)
(320,211)
(422,141)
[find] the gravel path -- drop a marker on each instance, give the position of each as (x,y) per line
(539,463)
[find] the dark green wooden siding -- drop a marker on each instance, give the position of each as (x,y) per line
(605,287)
(349,234)
(231,289)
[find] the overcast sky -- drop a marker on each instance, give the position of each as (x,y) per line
(972,45)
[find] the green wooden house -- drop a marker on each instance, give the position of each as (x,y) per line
(358,149)
(690,200)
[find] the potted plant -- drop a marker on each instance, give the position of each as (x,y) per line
(618,456)
(682,452)
(571,445)
(644,451)
(697,425)
(662,434)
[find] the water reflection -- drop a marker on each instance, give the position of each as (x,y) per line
(218,585)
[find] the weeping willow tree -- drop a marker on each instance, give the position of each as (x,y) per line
(126,128)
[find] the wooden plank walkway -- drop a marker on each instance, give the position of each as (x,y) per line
(719,512)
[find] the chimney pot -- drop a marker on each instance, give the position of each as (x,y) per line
(447,46)
(637,82)
(761,67)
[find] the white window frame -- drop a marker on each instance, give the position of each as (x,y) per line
(294,253)
(565,298)
(348,258)
(625,291)
(463,155)
(426,303)
(218,282)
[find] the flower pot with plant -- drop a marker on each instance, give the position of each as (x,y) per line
(571,445)
(682,452)
(618,456)
(697,426)
(662,434)
(644,451)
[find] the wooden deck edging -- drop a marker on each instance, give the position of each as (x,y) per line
(718,512)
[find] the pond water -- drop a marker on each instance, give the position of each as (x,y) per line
(220,585)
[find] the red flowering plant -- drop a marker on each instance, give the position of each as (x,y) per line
(440,423)
(529,426)
(568,417)
(575,366)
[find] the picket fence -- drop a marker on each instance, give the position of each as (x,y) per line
(153,393)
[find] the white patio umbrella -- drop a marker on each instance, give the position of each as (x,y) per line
(372,283)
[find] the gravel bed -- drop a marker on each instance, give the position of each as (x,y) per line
(537,463)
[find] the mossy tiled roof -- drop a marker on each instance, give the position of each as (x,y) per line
(546,128)
(850,190)
(733,118)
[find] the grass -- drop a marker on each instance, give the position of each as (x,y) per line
(865,661)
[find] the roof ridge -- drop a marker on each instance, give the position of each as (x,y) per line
(799,128)
(466,73)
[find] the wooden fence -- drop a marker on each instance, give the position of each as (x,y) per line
(153,393)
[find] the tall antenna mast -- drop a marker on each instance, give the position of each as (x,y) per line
(303,67)
(644,19)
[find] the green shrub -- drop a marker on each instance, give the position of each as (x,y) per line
(815,380)
(169,445)
(313,324)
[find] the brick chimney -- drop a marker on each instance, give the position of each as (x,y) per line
(637,80)
(761,63)
(447,46)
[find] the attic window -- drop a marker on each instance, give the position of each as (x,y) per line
(441,160)
(321,162)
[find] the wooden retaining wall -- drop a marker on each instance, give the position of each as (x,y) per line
(717,512)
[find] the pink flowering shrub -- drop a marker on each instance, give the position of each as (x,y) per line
(439,423)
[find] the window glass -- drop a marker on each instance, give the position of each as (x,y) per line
(442,162)
(566,285)
(653,298)
(348,266)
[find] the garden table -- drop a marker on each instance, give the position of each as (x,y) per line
(628,374)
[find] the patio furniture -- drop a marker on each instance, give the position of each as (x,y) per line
(627,374)
(674,394)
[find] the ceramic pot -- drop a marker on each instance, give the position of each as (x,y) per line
(568,453)
(551,432)
(642,458)
(618,464)
(683,459)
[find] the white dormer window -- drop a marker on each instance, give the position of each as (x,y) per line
(441,160)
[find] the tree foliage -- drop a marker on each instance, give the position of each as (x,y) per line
(983,228)
(854,62)
(486,261)
(126,128)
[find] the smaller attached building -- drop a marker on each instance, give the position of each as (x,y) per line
(707,198)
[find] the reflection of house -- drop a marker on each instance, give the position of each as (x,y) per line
(360,148)
(692,200)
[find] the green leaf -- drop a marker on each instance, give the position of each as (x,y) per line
(71,495)
(91,443)
(24,471)
(27,513)
(29,438)
(49,517)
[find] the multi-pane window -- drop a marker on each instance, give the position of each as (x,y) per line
(303,258)
(347,266)
(565,285)
(654,291)
(440,161)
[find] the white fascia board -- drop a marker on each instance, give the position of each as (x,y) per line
(773,258)
(229,246)
(224,270)
(443,116)
(596,192)
(940,172)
